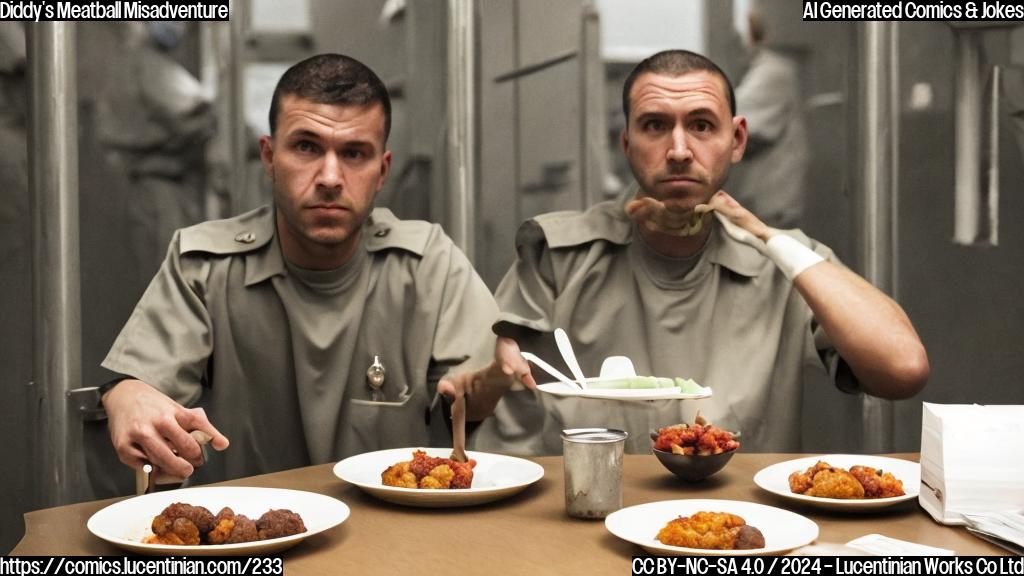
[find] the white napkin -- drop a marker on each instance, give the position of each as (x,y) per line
(879,545)
(970,460)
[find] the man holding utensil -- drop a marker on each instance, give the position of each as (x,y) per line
(680,278)
(309,330)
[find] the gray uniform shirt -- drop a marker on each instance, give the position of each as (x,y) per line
(277,356)
(733,322)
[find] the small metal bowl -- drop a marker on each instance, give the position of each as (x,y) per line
(693,468)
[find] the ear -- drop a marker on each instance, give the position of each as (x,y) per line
(625,141)
(267,155)
(385,169)
(739,138)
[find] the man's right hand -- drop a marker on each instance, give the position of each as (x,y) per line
(148,426)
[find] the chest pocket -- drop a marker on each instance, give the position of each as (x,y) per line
(405,423)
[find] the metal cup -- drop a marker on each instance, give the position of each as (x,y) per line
(593,471)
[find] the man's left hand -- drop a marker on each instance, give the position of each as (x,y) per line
(666,217)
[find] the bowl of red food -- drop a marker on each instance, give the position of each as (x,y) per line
(696,451)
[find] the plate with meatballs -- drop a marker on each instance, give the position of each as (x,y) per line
(217,521)
(849,482)
(711,527)
(426,477)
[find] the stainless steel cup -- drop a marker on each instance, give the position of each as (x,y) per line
(593,471)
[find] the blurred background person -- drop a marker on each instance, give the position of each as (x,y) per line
(772,178)
(154,122)
(14,159)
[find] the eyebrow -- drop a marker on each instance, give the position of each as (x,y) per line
(304,133)
(307,133)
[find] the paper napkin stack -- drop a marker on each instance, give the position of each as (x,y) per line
(972,468)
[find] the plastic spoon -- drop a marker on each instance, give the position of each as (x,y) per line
(565,347)
(551,370)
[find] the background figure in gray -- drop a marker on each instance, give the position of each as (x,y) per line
(154,122)
(770,181)
(13,138)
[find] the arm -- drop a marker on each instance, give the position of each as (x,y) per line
(868,329)
(486,387)
(164,347)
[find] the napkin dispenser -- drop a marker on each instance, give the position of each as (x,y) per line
(971,460)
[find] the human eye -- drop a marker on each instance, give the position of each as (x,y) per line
(305,146)
(653,125)
(353,154)
(702,125)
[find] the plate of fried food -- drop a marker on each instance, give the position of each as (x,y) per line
(843,481)
(216,521)
(428,478)
(711,527)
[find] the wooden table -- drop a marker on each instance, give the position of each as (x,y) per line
(526,534)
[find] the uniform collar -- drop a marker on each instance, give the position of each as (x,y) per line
(381,231)
(267,262)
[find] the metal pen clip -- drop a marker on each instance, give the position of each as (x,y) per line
(375,379)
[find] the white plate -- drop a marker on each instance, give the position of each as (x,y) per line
(775,479)
(494,477)
(126,523)
(622,394)
(783,530)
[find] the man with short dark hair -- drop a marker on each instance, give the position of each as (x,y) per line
(268,323)
(679,277)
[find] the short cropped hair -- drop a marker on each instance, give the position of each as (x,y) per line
(332,79)
(674,63)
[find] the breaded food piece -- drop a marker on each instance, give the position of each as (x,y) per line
(876,483)
(173,532)
(422,464)
(463,477)
(279,523)
(680,435)
(200,516)
(711,531)
(231,528)
(835,483)
(689,439)
(439,478)
(400,475)
(429,473)
(801,482)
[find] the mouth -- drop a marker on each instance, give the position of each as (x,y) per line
(328,208)
(680,180)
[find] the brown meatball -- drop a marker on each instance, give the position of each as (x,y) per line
(749,538)
(225,514)
(201,517)
(279,523)
(245,530)
(176,532)
(233,529)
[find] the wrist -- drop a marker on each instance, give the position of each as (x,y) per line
(107,387)
(768,233)
(790,255)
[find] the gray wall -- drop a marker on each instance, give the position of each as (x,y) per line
(965,301)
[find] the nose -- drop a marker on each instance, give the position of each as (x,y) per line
(680,150)
(330,175)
